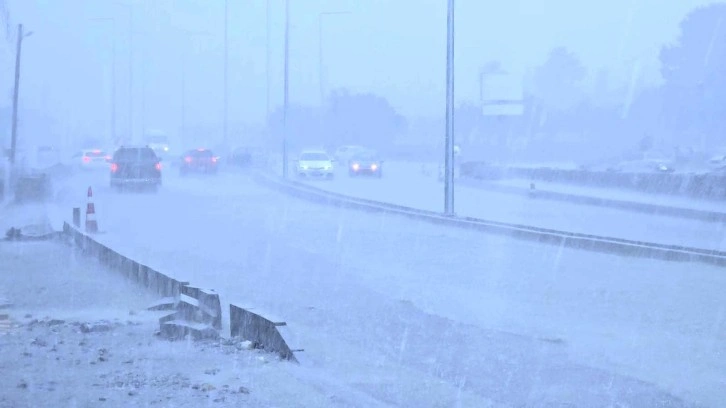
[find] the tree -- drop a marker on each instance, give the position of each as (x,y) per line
(557,82)
(694,73)
(364,118)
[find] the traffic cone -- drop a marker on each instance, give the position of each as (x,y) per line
(91,224)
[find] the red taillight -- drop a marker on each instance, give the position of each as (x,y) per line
(214,159)
(108,157)
(158,166)
(114,167)
(86,159)
(188,159)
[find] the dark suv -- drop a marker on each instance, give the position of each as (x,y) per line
(135,167)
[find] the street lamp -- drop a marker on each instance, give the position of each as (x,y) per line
(320,49)
(113,75)
(449,152)
(14,134)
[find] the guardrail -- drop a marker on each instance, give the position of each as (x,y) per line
(194,311)
(589,242)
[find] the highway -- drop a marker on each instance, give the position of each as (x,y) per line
(417,314)
(405,184)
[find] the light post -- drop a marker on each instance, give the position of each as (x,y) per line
(16,90)
(449,150)
(321,16)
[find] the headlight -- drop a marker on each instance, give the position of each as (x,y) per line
(166,148)
(374,166)
(328,167)
(355,166)
(304,167)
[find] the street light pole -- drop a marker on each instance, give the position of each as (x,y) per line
(16,90)
(449,150)
(285,89)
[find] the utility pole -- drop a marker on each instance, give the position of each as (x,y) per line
(226,52)
(16,90)
(286,89)
(449,149)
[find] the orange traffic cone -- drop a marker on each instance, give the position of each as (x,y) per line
(91,224)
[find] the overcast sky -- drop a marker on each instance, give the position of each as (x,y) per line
(395,48)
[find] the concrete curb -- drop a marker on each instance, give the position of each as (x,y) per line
(640,249)
(194,311)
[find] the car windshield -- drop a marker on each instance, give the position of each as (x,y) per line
(132,154)
(314,156)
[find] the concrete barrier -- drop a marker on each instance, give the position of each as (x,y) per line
(641,249)
(264,333)
(208,304)
(655,209)
(193,311)
(703,185)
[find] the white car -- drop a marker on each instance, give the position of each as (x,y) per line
(314,163)
(92,159)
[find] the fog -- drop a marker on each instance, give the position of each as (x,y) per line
(394,51)
(581,263)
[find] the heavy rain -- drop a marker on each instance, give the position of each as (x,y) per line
(319,203)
